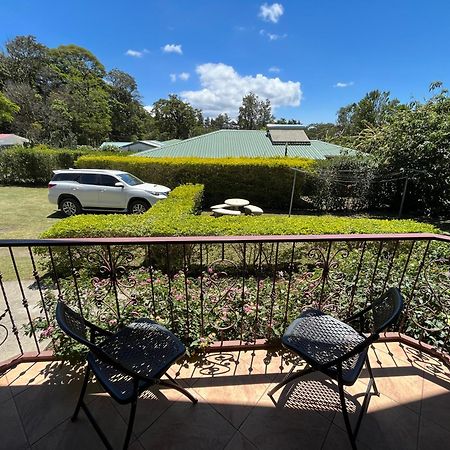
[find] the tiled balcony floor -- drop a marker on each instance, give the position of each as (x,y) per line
(234,411)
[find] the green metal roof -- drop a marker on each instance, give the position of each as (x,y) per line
(242,143)
(169,142)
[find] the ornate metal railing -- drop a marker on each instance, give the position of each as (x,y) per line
(210,290)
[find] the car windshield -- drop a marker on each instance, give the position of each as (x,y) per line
(130,179)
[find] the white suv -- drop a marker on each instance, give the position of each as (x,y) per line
(74,190)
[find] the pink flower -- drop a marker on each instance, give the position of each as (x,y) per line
(48,331)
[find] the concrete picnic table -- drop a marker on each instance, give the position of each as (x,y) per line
(237,203)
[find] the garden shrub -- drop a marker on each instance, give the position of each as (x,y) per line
(175,217)
(35,165)
(266,182)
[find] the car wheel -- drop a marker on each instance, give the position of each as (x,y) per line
(138,207)
(70,207)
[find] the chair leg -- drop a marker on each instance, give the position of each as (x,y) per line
(130,424)
(369,368)
(174,385)
(289,378)
(346,417)
(83,391)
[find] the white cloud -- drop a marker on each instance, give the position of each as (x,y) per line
(272,36)
(271,13)
(181,76)
(341,84)
(172,48)
(134,53)
(222,90)
(274,69)
(149,108)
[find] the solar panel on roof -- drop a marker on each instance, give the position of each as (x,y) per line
(287,134)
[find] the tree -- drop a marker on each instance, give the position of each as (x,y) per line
(25,58)
(415,142)
(175,119)
(84,91)
(254,114)
(372,110)
(322,131)
(29,120)
(127,112)
(7,109)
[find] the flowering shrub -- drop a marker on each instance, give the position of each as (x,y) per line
(252,293)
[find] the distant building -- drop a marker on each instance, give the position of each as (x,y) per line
(10,140)
(249,144)
(114,144)
(138,146)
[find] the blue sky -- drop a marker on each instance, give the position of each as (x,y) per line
(308,57)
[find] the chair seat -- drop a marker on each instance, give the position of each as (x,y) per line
(144,347)
(319,338)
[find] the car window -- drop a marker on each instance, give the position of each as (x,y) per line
(89,178)
(108,180)
(65,177)
(131,180)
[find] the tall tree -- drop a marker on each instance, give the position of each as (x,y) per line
(127,113)
(175,119)
(254,113)
(24,60)
(415,142)
(84,91)
(372,110)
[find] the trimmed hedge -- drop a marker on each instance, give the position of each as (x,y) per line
(266,182)
(175,217)
(34,166)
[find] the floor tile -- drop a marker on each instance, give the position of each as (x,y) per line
(436,403)
(432,436)
(151,404)
(386,425)
(185,426)
(46,405)
(337,439)
(239,442)
(81,434)
(234,410)
(284,425)
(5,392)
(13,435)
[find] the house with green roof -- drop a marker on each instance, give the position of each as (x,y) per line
(245,144)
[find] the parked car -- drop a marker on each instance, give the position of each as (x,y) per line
(75,190)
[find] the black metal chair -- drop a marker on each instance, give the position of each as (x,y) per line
(338,350)
(125,363)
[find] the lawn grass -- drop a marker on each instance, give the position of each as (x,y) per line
(24,214)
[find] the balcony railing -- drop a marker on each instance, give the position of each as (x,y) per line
(211,291)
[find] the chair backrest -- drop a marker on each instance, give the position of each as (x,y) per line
(73,324)
(386,310)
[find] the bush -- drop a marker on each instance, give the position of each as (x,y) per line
(344,183)
(264,182)
(175,217)
(33,166)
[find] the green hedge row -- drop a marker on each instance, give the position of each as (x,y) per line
(266,182)
(183,202)
(34,166)
(175,217)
